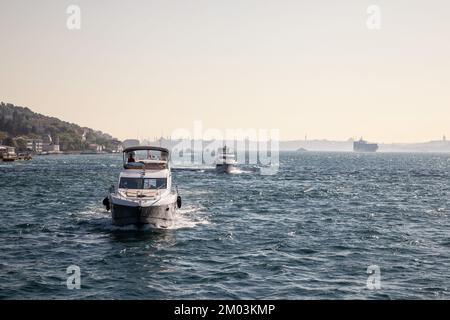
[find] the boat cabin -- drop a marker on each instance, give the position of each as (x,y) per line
(225,156)
(146,174)
(146,158)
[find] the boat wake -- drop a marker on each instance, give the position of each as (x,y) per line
(200,169)
(246,170)
(238,171)
(189,217)
(98,218)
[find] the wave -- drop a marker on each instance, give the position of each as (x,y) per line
(189,218)
(97,217)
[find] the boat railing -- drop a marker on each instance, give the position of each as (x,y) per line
(146,158)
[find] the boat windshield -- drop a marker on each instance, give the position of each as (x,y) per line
(146,155)
(143,183)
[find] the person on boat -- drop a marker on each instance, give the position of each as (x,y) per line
(131,157)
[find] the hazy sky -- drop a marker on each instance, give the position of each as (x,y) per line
(147,67)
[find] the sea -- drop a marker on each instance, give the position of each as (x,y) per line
(325,226)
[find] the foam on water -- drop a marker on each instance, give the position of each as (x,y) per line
(98,217)
(189,218)
(238,171)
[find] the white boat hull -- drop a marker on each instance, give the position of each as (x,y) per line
(130,212)
(225,168)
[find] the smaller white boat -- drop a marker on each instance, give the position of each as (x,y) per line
(226,161)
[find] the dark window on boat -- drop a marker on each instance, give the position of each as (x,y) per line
(155,183)
(143,183)
(130,183)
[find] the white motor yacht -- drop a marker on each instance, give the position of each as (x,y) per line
(226,162)
(143,194)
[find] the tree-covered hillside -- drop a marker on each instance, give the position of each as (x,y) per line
(22,122)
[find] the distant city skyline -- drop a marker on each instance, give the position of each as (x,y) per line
(140,69)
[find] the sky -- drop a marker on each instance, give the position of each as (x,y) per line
(140,69)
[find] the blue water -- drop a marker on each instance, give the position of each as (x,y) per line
(309,232)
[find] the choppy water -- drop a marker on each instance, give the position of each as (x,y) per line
(308,232)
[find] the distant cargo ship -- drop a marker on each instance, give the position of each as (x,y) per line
(364,146)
